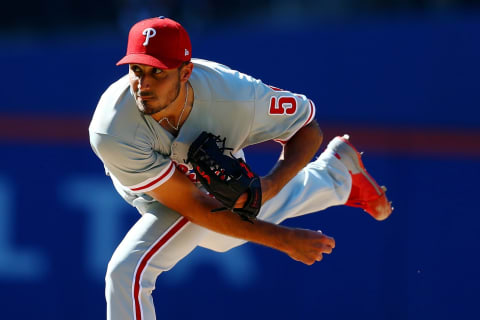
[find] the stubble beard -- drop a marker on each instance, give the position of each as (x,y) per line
(146,108)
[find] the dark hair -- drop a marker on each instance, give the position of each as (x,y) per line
(184,63)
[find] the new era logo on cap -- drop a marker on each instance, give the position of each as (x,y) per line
(158,42)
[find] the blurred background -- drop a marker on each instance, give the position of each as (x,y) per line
(401,77)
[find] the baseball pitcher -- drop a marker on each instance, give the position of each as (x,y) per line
(170,135)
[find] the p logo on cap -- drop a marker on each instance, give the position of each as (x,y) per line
(158,42)
(148,33)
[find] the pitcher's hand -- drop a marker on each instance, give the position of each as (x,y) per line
(308,246)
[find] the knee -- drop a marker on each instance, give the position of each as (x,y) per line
(119,271)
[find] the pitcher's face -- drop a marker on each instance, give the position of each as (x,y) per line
(154,89)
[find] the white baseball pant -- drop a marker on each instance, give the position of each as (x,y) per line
(162,237)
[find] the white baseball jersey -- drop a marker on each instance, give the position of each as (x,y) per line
(140,155)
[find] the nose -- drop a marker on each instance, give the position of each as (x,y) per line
(143,82)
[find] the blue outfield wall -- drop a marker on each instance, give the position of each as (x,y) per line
(60,218)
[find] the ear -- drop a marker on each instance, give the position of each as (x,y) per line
(186,72)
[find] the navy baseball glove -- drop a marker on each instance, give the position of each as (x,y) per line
(225,177)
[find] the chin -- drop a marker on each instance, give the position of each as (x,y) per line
(145,109)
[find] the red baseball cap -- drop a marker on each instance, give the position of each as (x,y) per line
(158,42)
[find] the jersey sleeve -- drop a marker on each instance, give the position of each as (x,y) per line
(279,114)
(137,167)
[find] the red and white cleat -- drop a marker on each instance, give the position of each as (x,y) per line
(365,193)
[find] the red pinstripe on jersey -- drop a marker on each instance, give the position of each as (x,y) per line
(162,176)
(149,254)
(312,112)
(276,89)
